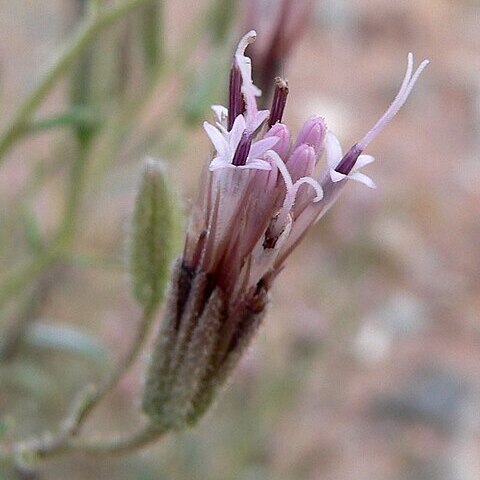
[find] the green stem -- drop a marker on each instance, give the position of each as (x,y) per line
(13,336)
(152,37)
(76,186)
(92,396)
(48,447)
(86,33)
(119,446)
(65,440)
(17,280)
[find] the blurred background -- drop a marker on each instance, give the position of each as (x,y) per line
(367,366)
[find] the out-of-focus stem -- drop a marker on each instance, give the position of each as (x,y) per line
(93,395)
(12,338)
(47,447)
(65,440)
(152,37)
(92,27)
(21,276)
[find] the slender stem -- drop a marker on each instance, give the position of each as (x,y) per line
(117,446)
(12,338)
(21,276)
(89,399)
(65,440)
(92,27)
(17,279)
(152,37)
(47,447)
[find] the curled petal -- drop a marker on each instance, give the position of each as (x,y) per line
(219,162)
(257,165)
(259,148)
(260,117)
(333,150)
(363,160)
(362,178)
(222,129)
(217,139)
(236,132)
(336,176)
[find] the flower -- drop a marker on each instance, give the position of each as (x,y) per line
(334,157)
(258,198)
(348,166)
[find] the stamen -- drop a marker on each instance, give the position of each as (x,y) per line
(348,161)
(243,149)
(400,99)
(236,102)
(279,101)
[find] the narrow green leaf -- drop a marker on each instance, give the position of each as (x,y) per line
(80,117)
(151,35)
(28,378)
(66,339)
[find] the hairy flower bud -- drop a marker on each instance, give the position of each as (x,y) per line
(152,236)
(201,339)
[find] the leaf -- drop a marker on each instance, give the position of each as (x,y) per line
(77,116)
(66,339)
(29,378)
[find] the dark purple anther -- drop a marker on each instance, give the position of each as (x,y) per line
(279,101)
(236,103)
(243,149)
(349,160)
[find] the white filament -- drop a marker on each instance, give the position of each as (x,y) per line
(292,189)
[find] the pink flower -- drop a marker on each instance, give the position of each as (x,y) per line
(262,195)
(258,198)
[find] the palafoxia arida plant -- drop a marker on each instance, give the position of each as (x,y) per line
(258,197)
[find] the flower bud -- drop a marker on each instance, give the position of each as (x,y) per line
(152,236)
(312,133)
(301,162)
(283,145)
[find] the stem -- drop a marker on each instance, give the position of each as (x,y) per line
(152,37)
(12,338)
(86,33)
(65,442)
(92,396)
(49,447)
(17,280)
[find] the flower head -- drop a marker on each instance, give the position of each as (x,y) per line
(258,198)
